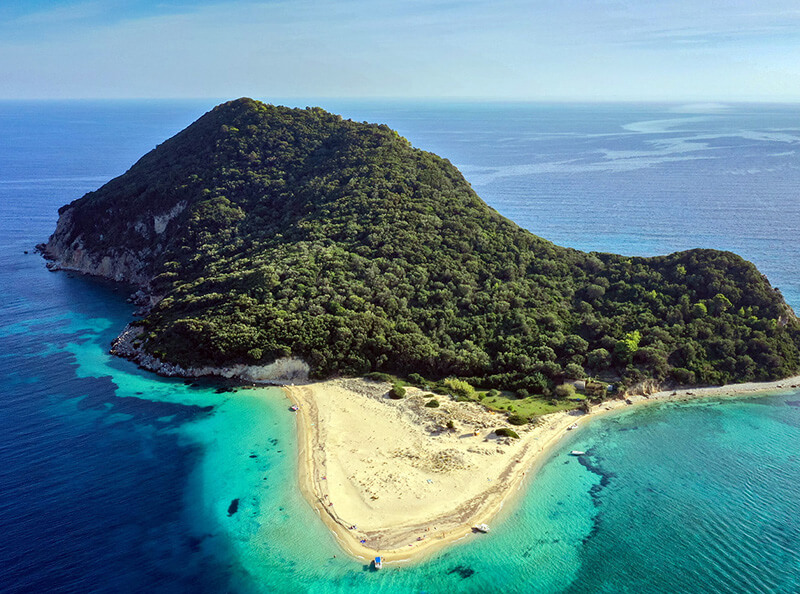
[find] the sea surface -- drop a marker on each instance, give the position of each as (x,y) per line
(115,480)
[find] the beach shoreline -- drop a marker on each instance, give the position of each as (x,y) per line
(332,463)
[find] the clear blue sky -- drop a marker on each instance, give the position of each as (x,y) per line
(580,50)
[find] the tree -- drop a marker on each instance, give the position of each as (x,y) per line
(720,304)
(574,371)
(598,359)
(625,348)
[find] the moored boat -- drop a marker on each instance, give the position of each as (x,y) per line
(573,426)
(378,562)
(482,528)
(576,453)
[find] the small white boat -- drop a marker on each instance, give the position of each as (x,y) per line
(573,426)
(482,528)
(378,562)
(576,453)
(294,408)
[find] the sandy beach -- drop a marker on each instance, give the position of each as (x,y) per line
(389,478)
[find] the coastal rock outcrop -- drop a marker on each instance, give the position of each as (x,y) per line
(67,249)
(283,370)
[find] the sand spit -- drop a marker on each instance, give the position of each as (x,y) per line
(389,478)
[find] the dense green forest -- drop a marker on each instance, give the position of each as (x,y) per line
(296,232)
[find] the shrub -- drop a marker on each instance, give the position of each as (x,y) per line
(459,387)
(377,376)
(506,432)
(433,403)
(522,393)
(416,379)
(683,376)
(450,424)
(595,389)
(565,391)
(493,393)
(397,392)
(517,419)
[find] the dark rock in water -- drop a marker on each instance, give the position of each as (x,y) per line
(465,571)
(793,403)
(233,507)
(253,456)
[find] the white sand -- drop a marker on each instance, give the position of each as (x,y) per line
(409,485)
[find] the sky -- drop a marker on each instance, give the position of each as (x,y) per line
(506,50)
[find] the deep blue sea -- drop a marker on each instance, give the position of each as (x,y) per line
(115,480)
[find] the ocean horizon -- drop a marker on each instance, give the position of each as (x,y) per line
(116,480)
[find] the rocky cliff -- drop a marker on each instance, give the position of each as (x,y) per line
(67,247)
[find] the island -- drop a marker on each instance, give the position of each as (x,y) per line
(406,317)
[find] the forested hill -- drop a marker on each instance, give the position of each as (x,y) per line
(271,231)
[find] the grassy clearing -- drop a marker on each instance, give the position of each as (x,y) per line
(532,406)
(529,407)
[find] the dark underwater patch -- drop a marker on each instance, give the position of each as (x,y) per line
(465,571)
(593,531)
(605,478)
(233,507)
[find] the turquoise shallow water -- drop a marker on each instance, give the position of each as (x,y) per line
(679,498)
(114,480)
